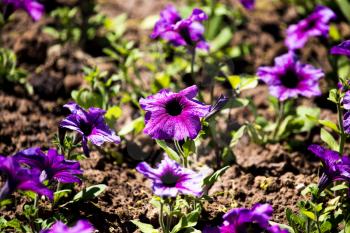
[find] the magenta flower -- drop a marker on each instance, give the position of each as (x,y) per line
(52,165)
(170,179)
(242,220)
(90,125)
(342,49)
(173,115)
(82,226)
(32,7)
(316,24)
(336,167)
(21,178)
(248,4)
(181,32)
(290,78)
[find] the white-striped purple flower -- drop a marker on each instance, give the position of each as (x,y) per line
(170,179)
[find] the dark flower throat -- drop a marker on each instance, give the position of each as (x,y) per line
(169,179)
(85,127)
(173,107)
(290,79)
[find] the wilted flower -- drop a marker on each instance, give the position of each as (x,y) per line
(181,32)
(90,125)
(242,220)
(173,115)
(169,179)
(316,24)
(342,49)
(34,9)
(290,78)
(248,4)
(21,178)
(336,167)
(52,165)
(82,226)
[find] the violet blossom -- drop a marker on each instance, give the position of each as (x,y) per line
(290,78)
(170,179)
(82,226)
(336,167)
(248,4)
(316,24)
(21,178)
(342,49)
(52,165)
(181,32)
(172,115)
(242,220)
(90,125)
(32,7)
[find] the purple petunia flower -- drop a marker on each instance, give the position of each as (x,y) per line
(242,220)
(169,179)
(21,178)
(52,165)
(290,78)
(173,115)
(32,7)
(181,32)
(90,125)
(336,167)
(82,226)
(248,4)
(342,49)
(316,24)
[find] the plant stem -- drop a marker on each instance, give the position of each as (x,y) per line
(181,152)
(341,127)
(193,50)
(279,120)
(161,218)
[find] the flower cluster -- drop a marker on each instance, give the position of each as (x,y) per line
(34,9)
(181,32)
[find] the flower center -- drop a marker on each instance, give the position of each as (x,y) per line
(169,179)
(311,25)
(185,33)
(85,128)
(173,107)
(290,79)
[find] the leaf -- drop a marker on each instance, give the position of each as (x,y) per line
(303,112)
(344,6)
(329,139)
(144,227)
(89,193)
(136,125)
(221,40)
(209,180)
(62,193)
(169,151)
(333,95)
(189,220)
(309,214)
(329,124)
(113,113)
(237,135)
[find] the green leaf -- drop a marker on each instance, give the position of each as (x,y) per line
(344,6)
(237,135)
(113,113)
(169,151)
(144,227)
(329,124)
(89,193)
(333,96)
(329,139)
(221,40)
(209,180)
(187,221)
(308,213)
(136,125)
(303,112)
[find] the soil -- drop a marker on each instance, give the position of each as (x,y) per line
(273,174)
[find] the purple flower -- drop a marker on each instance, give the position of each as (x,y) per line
(346,100)
(82,226)
(336,167)
(52,165)
(248,4)
(290,78)
(181,32)
(256,219)
(33,8)
(173,115)
(342,49)
(90,125)
(169,179)
(316,24)
(21,178)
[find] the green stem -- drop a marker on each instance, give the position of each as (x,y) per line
(193,50)
(341,127)
(181,152)
(279,120)
(161,218)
